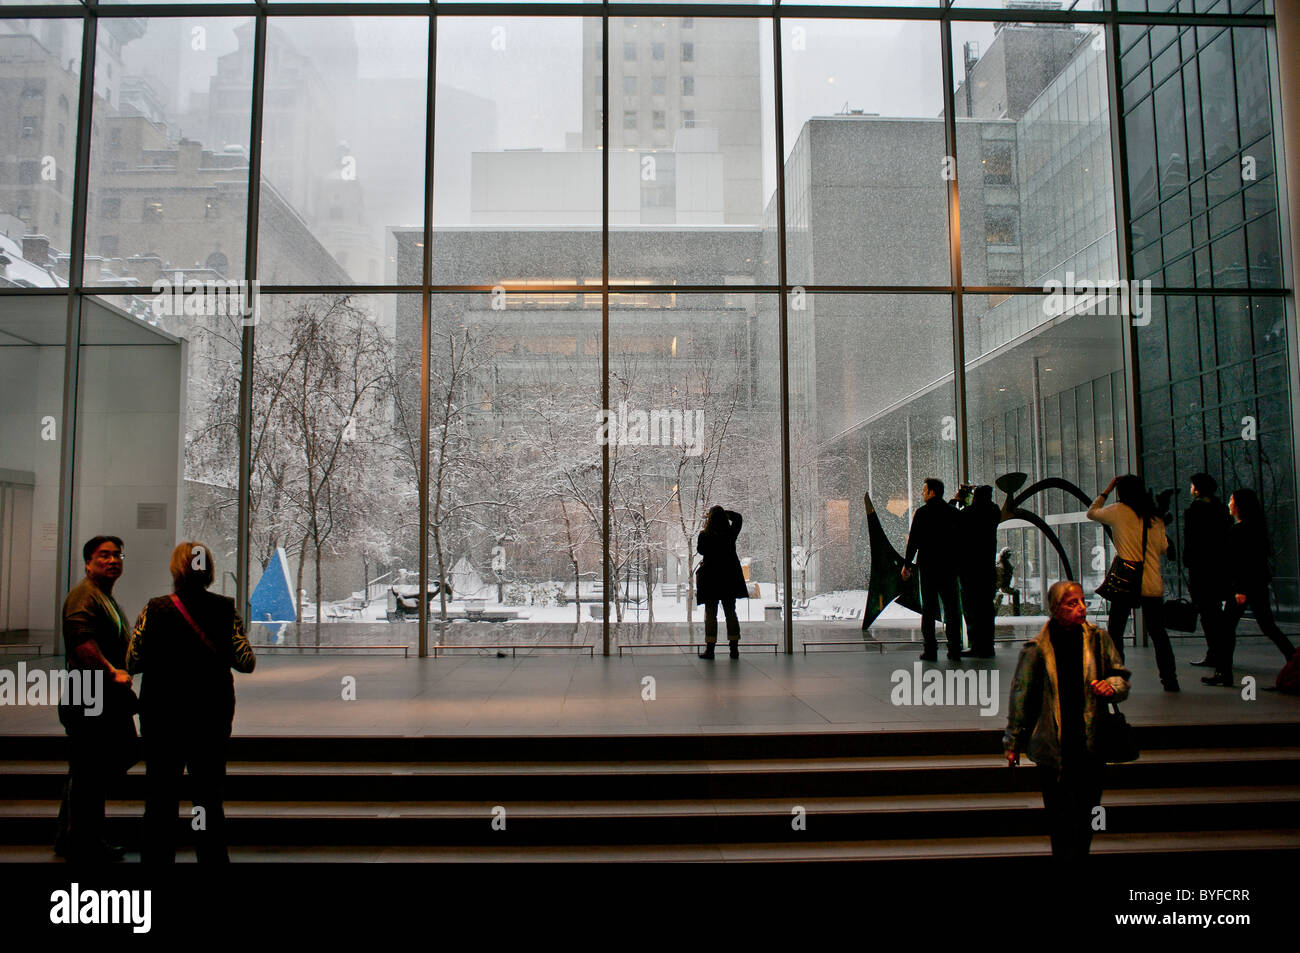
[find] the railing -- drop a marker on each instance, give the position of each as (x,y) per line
(589,649)
(406,649)
(691,646)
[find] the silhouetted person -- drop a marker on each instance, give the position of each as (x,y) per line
(935,534)
(1065,678)
(103,745)
(1249,576)
(186,644)
(1205,557)
(719,578)
(979,540)
(1127,520)
(1005,572)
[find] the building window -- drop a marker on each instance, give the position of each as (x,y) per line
(1000,227)
(29,127)
(629,52)
(688,85)
(600,85)
(153,210)
(688,52)
(629,120)
(28,172)
(629,85)
(688,22)
(108,246)
(111,208)
(657,51)
(115,137)
(688,118)
(658,85)
(658,119)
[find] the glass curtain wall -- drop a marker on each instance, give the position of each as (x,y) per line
(447,330)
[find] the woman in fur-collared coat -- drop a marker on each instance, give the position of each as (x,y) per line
(1065,678)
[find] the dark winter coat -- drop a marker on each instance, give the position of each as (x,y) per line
(719,575)
(1248,552)
(936,535)
(1205,539)
(979,542)
(1034,718)
(187,683)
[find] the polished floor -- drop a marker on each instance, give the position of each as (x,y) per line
(663,692)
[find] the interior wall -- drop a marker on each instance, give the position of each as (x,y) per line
(130,433)
(29,443)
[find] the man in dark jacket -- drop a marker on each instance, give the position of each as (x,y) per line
(1205,546)
(935,533)
(101,744)
(979,541)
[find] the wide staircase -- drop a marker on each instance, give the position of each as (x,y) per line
(914,795)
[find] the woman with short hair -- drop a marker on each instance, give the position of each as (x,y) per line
(186,644)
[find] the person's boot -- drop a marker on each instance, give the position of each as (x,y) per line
(735,648)
(1223,679)
(708,650)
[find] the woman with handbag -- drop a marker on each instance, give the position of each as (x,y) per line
(719,579)
(1134,580)
(1248,551)
(186,644)
(1064,681)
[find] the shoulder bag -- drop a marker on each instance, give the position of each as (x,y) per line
(1123,582)
(1116,740)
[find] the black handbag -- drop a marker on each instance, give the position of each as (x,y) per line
(1116,740)
(1123,582)
(1180,615)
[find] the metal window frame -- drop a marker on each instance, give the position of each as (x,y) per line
(941,12)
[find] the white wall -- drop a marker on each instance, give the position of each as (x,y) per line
(33,390)
(129,451)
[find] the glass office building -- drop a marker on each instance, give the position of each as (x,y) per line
(496,306)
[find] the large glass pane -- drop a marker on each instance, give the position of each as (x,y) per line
(335,463)
(871,411)
(31,431)
(866,197)
(40,88)
(517,159)
(515,491)
(169,151)
(343,150)
(1222,406)
(1033,153)
(132,478)
(691,163)
(1040,402)
(1201,148)
(695,423)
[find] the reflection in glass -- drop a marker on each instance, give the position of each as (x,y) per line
(866,198)
(334,184)
(169,152)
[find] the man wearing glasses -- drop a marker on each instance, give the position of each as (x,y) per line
(102,745)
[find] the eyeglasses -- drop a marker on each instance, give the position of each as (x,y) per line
(110,557)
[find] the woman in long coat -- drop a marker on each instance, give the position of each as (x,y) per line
(186,644)
(1065,679)
(719,578)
